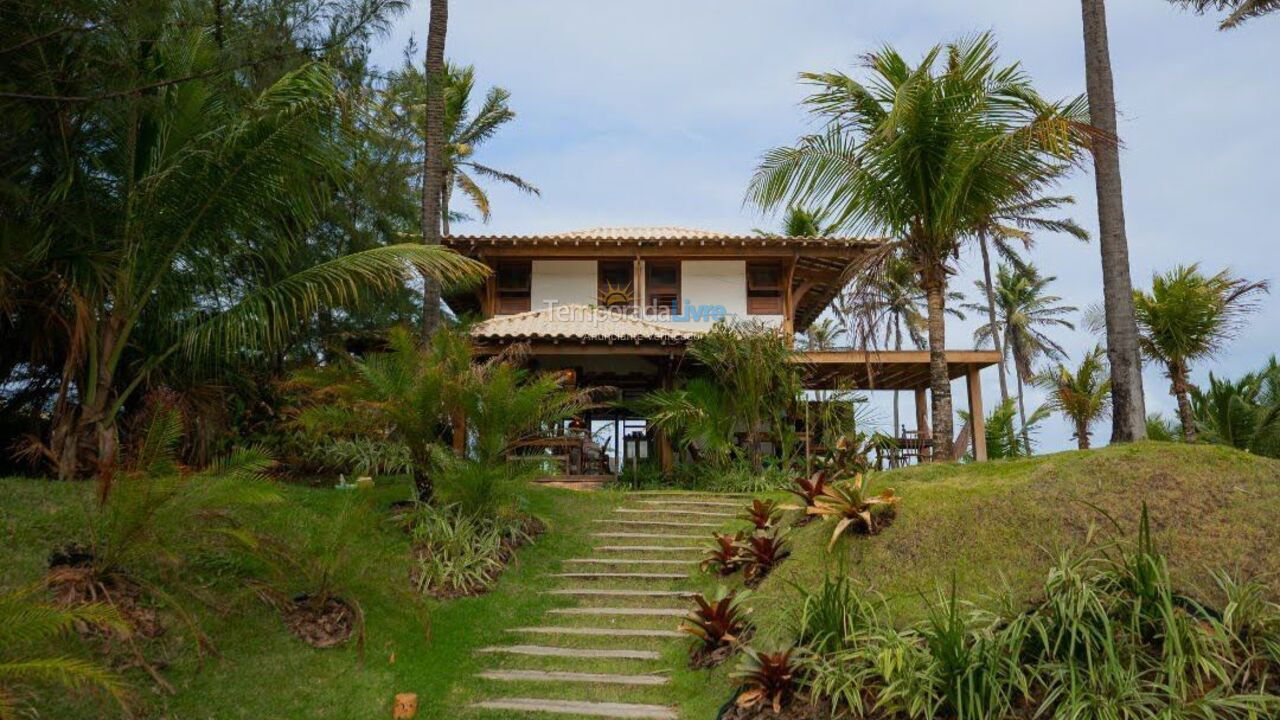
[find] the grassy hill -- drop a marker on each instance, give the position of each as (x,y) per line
(997,526)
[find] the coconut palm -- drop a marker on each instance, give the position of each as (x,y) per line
(1128,421)
(1082,395)
(1188,316)
(1024,313)
(466,133)
(877,310)
(193,197)
(1240,10)
(1244,414)
(821,335)
(1008,228)
(27,623)
(433,166)
(920,154)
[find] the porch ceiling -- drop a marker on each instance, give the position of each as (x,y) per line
(886,369)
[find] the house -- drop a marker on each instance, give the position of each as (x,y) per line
(617,307)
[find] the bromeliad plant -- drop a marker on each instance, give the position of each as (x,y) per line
(726,556)
(851,505)
(771,679)
(762,552)
(763,514)
(808,489)
(719,624)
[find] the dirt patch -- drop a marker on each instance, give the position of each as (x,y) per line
(321,623)
(75,582)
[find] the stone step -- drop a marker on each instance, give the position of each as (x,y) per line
(649,536)
(583,653)
(590,592)
(621,576)
(664,513)
(659,523)
(628,561)
(621,612)
(592,709)
(594,632)
(572,677)
(647,548)
(696,503)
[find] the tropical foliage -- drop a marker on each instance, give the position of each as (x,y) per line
(718,623)
(27,623)
(1111,635)
(851,505)
(751,385)
(1189,316)
(1082,394)
(922,154)
(1238,11)
(1244,413)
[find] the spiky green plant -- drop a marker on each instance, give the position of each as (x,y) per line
(1082,394)
(1189,316)
(28,624)
(850,505)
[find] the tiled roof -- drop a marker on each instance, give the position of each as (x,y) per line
(579,322)
(646,235)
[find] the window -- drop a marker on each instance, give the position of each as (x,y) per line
(662,287)
(764,289)
(615,286)
(514,280)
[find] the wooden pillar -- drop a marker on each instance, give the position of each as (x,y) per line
(922,420)
(974,384)
(459,433)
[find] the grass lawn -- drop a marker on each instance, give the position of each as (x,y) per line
(990,527)
(997,526)
(264,672)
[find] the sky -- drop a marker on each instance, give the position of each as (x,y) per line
(656,113)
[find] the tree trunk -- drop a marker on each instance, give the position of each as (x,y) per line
(1128,416)
(1022,413)
(991,316)
(433,158)
(897,345)
(423,484)
(1178,376)
(1082,435)
(939,378)
(445,194)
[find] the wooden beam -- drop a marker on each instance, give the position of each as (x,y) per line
(974,385)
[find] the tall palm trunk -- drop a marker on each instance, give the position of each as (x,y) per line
(897,345)
(1128,416)
(433,157)
(1178,377)
(939,377)
(991,316)
(1022,413)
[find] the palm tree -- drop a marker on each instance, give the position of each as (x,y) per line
(1128,421)
(1024,313)
(821,335)
(876,311)
(466,132)
(1188,316)
(1010,225)
(1241,10)
(433,133)
(202,184)
(1244,414)
(1082,395)
(27,623)
(921,154)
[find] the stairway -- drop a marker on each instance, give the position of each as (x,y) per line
(606,651)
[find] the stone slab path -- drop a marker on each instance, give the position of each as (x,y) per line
(600,654)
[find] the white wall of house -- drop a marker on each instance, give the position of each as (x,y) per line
(562,282)
(702,283)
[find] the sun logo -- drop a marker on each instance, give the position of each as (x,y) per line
(614,295)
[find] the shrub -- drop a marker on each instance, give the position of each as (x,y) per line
(726,556)
(763,514)
(850,504)
(770,679)
(458,553)
(718,624)
(761,553)
(809,488)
